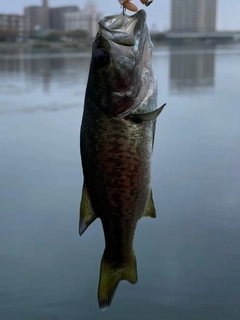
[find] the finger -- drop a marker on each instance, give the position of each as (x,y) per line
(130,6)
(146,2)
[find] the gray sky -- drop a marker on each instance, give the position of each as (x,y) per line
(158,13)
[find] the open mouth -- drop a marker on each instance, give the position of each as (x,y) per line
(122,29)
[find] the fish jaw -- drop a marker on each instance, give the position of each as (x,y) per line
(121,71)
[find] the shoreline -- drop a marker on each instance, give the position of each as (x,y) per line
(11,47)
(85,47)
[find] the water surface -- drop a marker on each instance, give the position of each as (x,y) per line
(188,258)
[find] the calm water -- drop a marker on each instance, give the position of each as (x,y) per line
(188,258)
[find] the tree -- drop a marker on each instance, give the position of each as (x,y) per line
(77,35)
(9,34)
(53,36)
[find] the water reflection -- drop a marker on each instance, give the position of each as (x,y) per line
(42,81)
(46,68)
(45,80)
(191,71)
(188,258)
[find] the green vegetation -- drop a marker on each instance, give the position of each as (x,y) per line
(41,45)
(60,36)
(70,45)
(77,35)
(8,35)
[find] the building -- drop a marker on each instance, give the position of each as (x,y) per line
(36,17)
(86,19)
(57,16)
(32,19)
(45,23)
(45,18)
(192,72)
(193,16)
(12,22)
(65,18)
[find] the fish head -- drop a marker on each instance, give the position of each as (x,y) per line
(121,66)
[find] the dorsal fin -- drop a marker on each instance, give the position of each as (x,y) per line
(87,215)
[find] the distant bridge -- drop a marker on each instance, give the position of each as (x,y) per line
(218,35)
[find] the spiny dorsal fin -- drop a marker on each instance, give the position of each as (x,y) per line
(150,209)
(110,277)
(150,116)
(87,215)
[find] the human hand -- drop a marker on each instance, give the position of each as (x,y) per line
(131,7)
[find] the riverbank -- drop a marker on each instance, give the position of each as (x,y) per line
(14,47)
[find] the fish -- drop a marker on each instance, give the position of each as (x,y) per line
(116,143)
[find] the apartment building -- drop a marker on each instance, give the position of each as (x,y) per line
(12,22)
(193,15)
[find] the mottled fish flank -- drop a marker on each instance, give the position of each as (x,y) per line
(116,142)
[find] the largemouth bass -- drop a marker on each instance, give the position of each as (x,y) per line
(116,142)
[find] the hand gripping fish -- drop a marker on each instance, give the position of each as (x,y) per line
(116,142)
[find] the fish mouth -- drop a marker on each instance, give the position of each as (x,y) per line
(126,42)
(123,29)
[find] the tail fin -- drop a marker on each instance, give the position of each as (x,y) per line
(110,278)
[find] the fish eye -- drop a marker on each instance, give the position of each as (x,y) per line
(100,56)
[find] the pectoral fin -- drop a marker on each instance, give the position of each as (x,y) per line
(150,116)
(150,209)
(87,215)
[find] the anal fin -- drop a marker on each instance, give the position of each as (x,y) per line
(150,208)
(87,215)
